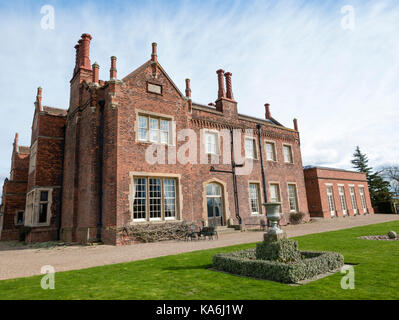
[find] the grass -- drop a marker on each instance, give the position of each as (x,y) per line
(187,276)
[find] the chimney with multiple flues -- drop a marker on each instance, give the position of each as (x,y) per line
(82,59)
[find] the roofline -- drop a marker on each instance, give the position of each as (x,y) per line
(330,169)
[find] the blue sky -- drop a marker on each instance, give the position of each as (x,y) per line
(342,85)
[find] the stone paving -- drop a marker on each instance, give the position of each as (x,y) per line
(21,261)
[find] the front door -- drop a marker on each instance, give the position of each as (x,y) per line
(214,201)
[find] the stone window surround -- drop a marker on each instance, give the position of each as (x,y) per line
(279,189)
(172,133)
(260,198)
(296,193)
(179,195)
(34,215)
(225,197)
(274,147)
(255,146)
(292,153)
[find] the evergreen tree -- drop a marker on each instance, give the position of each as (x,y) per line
(379,188)
(360,163)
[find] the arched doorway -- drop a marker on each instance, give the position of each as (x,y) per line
(214,202)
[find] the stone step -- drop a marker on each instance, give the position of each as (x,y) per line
(225,230)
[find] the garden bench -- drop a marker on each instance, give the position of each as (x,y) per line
(192,232)
(208,232)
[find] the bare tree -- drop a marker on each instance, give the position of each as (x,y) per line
(392,174)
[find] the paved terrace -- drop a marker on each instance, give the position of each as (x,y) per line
(21,261)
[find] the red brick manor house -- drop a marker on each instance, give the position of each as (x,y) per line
(86,171)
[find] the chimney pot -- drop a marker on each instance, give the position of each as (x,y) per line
(154,56)
(84,51)
(39,98)
(268,115)
(221,90)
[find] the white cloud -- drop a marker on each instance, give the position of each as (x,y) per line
(342,85)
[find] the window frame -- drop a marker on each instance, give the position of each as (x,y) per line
(16,217)
(296,197)
(291,152)
(158,118)
(259,197)
(255,151)
(32,207)
(275,183)
(163,218)
(333,209)
(274,150)
(217,142)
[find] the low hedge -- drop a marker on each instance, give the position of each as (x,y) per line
(244,263)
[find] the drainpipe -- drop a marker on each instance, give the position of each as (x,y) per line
(59,215)
(237,207)
(100,163)
(259,127)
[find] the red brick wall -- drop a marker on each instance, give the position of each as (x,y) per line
(316,180)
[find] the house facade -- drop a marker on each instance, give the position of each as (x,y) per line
(336,193)
(137,150)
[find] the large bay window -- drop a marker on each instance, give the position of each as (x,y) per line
(154,129)
(38,207)
(154,199)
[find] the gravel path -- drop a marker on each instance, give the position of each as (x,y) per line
(17,261)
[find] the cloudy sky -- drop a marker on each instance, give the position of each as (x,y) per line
(309,59)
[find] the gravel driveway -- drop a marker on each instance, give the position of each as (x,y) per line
(19,261)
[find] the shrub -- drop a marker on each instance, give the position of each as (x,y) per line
(297,217)
(284,250)
(244,263)
(148,232)
(392,235)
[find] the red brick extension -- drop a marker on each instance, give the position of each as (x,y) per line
(88,155)
(317,179)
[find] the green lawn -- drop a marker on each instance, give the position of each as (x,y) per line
(187,276)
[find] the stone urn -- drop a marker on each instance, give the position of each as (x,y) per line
(273,213)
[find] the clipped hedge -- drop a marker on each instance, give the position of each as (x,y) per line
(285,250)
(244,263)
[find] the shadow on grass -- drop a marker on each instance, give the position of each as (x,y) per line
(204,267)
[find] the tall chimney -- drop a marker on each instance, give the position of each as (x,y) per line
(112,71)
(84,51)
(221,90)
(95,67)
(77,57)
(154,56)
(16,142)
(268,115)
(39,99)
(229,89)
(188,88)
(296,124)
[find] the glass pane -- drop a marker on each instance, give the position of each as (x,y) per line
(218,207)
(154,186)
(43,195)
(209,203)
(139,204)
(43,213)
(169,197)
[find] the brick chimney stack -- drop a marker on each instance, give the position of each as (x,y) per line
(39,99)
(15,144)
(296,124)
(84,51)
(96,68)
(229,89)
(112,71)
(188,88)
(268,115)
(154,56)
(221,90)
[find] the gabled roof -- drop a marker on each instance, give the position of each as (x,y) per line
(145,65)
